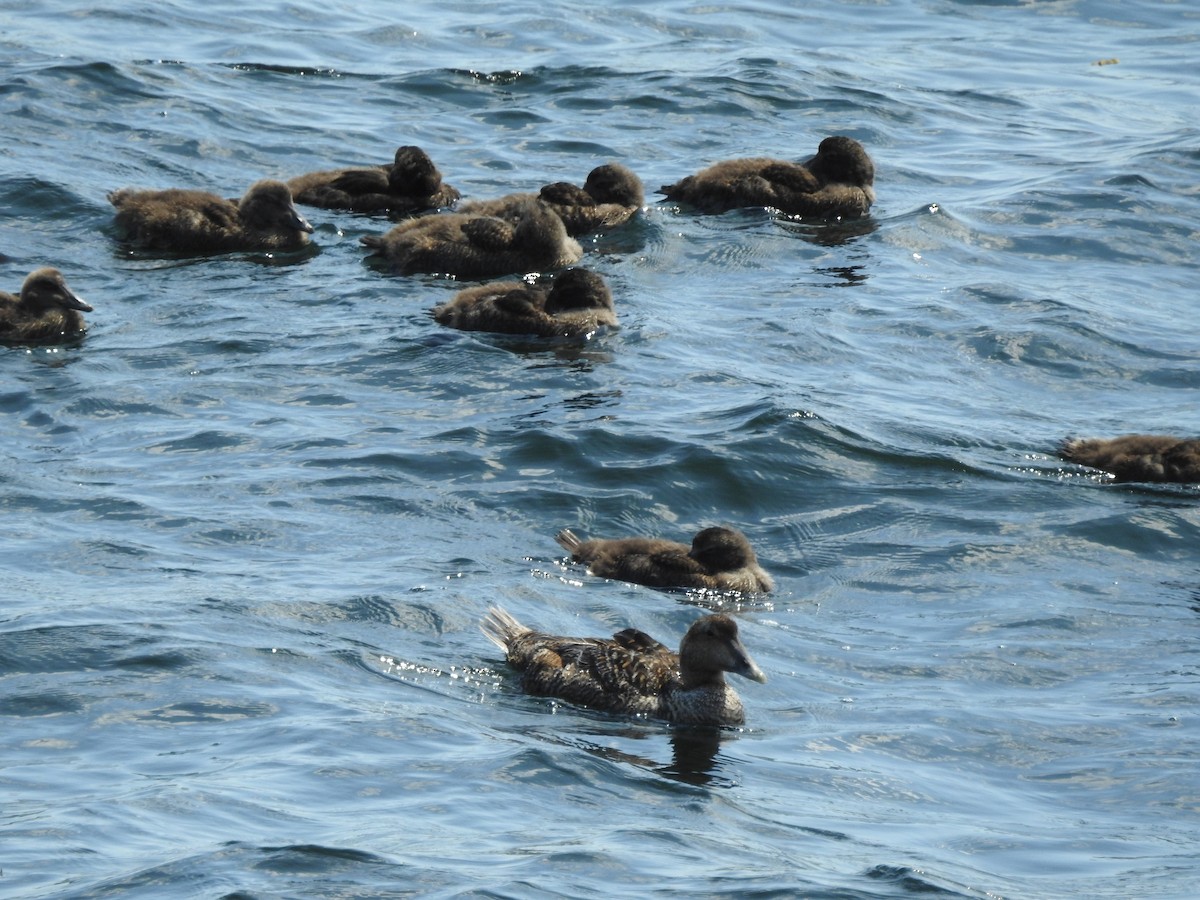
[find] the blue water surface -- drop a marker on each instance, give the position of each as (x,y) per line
(249,524)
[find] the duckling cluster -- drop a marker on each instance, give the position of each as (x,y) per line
(525,233)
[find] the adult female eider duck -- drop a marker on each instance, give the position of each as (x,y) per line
(720,558)
(837,182)
(1138,457)
(631,672)
(199,222)
(411,183)
(577,303)
(46,310)
(610,197)
(478,246)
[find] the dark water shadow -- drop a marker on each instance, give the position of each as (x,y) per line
(826,233)
(695,749)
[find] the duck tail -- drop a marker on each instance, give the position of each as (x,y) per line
(568,540)
(501,628)
(1070,449)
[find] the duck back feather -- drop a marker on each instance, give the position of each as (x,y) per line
(577,303)
(46,310)
(631,672)
(838,182)
(1138,457)
(411,183)
(720,558)
(201,222)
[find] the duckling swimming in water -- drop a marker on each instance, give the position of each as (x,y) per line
(47,310)
(411,183)
(577,303)
(837,182)
(1138,457)
(610,197)
(200,222)
(478,246)
(720,558)
(631,672)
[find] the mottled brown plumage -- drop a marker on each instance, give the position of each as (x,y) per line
(836,183)
(610,197)
(577,303)
(719,558)
(631,672)
(411,183)
(200,222)
(477,246)
(1138,457)
(46,310)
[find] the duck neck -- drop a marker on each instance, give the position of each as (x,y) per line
(691,679)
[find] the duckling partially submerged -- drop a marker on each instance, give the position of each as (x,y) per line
(477,246)
(631,672)
(1138,457)
(577,303)
(411,183)
(46,310)
(837,182)
(200,222)
(719,558)
(610,197)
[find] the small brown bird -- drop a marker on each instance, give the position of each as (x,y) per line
(631,672)
(46,310)
(1138,457)
(199,222)
(720,558)
(411,183)
(477,246)
(577,303)
(836,183)
(610,197)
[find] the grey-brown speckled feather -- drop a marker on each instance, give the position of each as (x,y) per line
(611,196)
(46,310)
(632,672)
(719,558)
(409,184)
(1138,457)
(200,222)
(577,303)
(477,246)
(837,182)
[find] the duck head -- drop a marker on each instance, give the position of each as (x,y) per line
(614,183)
(538,226)
(578,289)
(711,648)
(413,172)
(268,206)
(842,160)
(721,549)
(46,288)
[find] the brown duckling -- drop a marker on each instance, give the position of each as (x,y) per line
(836,183)
(720,558)
(631,672)
(1138,457)
(411,183)
(199,222)
(610,197)
(577,303)
(47,310)
(478,246)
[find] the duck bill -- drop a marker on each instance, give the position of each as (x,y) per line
(73,301)
(299,222)
(746,667)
